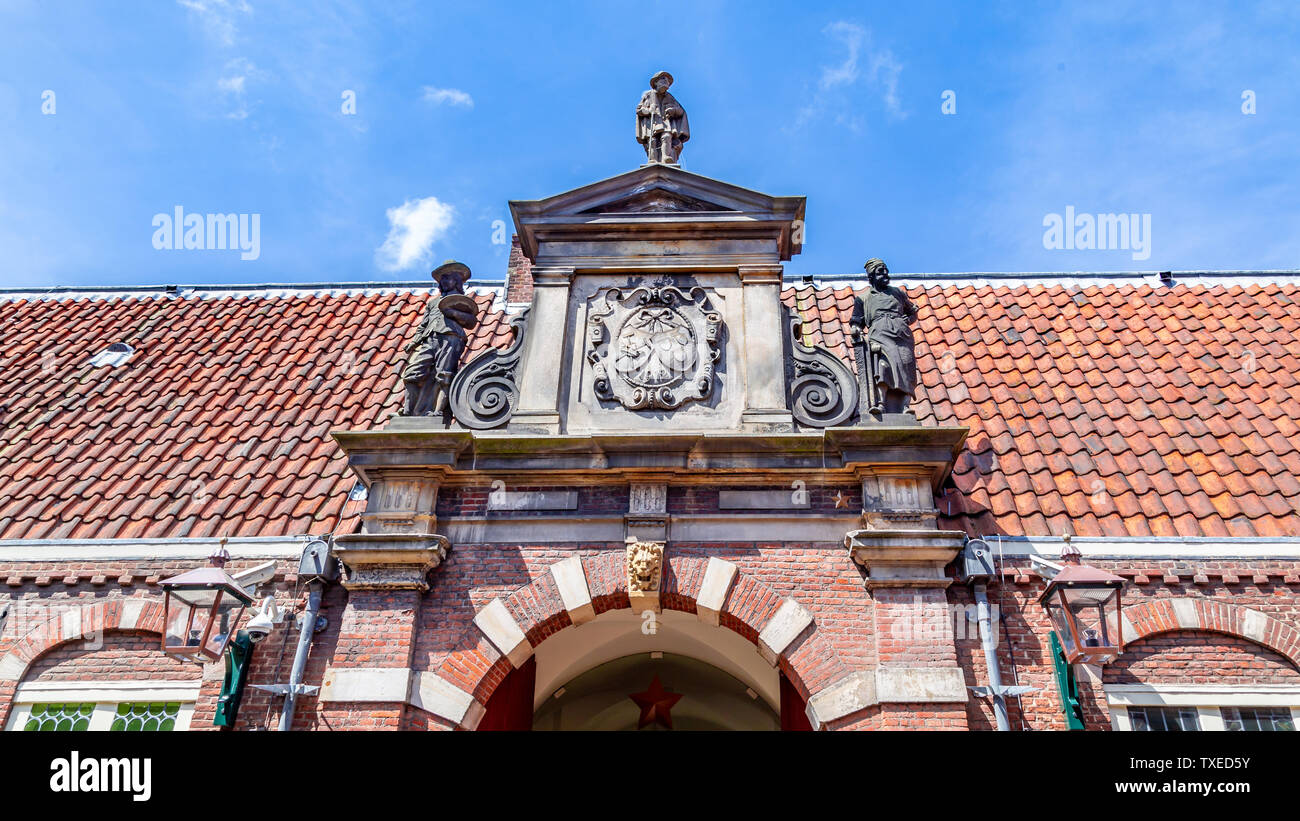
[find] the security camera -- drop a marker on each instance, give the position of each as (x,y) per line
(263,624)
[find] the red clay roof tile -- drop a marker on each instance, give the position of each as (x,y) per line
(1100,384)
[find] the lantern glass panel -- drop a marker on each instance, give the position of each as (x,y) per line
(1089,607)
(227,616)
(202,597)
(185,623)
(1061,624)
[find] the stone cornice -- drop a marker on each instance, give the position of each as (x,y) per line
(835,452)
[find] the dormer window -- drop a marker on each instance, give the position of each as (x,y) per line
(112,356)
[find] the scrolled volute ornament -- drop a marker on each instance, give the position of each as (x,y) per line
(823,389)
(486,391)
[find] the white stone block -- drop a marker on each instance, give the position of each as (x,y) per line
(12,668)
(504,632)
(132,609)
(718,576)
(1185,612)
(70,624)
(366,684)
(790,620)
(921,684)
(854,692)
(435,694)
(1254,625)
(572,583)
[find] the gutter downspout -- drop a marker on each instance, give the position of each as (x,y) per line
(305,632)
(991,657)
(975,567)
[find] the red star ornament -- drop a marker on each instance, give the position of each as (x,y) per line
(655,704)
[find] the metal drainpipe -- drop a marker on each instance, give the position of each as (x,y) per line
(991,657)
(300,654)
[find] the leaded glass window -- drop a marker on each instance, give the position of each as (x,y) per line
(146,716)
(59,717)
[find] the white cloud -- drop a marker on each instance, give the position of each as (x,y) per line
(847,73)
(233,85)
(834,94)
(885,69)
(413,228)
(450,96)
(218,17)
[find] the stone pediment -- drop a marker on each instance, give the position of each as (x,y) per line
(655,200)
(662,198)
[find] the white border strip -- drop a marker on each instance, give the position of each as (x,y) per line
(290,547)
(83,550)
(1202,695)
(141,690)
(1049,547)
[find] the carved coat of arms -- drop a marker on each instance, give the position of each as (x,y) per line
(653,347)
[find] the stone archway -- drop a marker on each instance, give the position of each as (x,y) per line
(71,624)
(1188,613)
(507,630)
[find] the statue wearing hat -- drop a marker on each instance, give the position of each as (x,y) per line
(661,125)
(434,353)
(886,352)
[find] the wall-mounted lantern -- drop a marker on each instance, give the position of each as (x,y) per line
(202,609)
(1083,602)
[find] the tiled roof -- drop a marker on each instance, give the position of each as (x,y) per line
(1107,411)
(1116,411)
(218,424)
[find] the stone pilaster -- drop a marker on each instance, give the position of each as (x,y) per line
(905,555)
(369,680)
(766,404)
(540,373)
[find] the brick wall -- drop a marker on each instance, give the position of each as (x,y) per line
(37,592)
(1198,657)
(1270,587)
(856,629)
(519,274)
(122,656)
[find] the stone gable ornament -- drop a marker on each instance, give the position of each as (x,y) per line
(653,347)
(886,351)
(661,125)
(434,354)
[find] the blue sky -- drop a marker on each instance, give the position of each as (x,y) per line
(236,107)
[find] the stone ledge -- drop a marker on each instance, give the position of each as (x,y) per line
(904,558)
(425,690)
(921,685)
(811,455)
(390,561)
